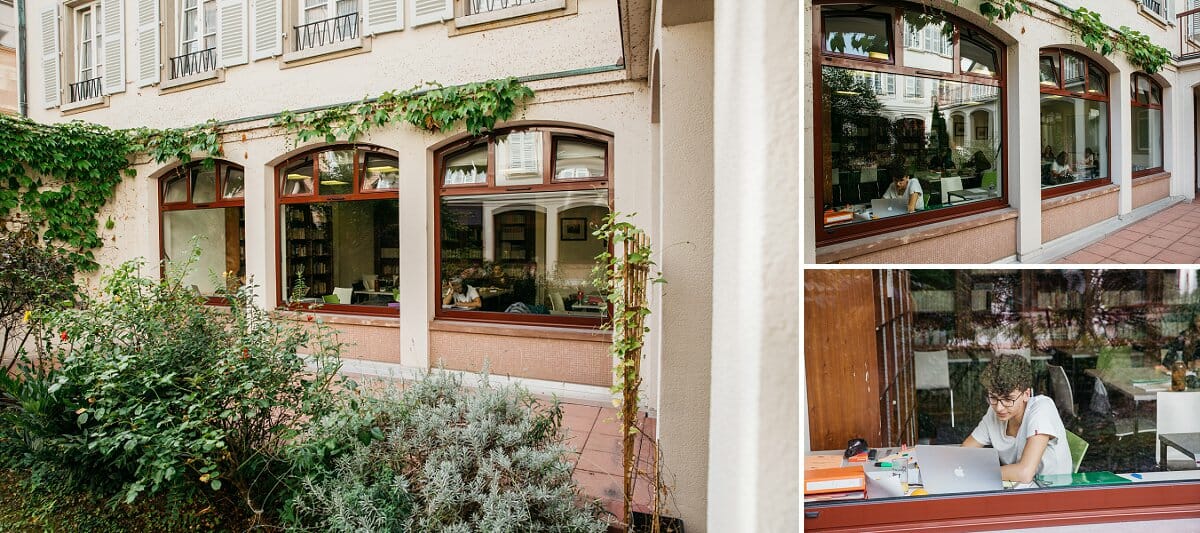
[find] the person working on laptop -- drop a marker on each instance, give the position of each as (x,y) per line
(1025,429)
(904,186)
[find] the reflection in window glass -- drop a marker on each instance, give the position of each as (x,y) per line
(977,57)
(1147,138)
(859,36)
(175,188)
(220,233)
(345,252)
(1073,71)
(204,185)
(298,178)
(576,159)
(947,143)
(928,44)
(1097,80)
(336,171)
(1074,139)
(234,183)
(519,158)
(522,253)
(1048,70)
(380,172)
(469,167)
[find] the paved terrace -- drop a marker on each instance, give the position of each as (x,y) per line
(1171,236)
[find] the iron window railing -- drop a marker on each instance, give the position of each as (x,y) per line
(193,63)
(85,90)
(328,31)
(474,7)
(1154,5)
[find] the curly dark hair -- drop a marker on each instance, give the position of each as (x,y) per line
(1005,374)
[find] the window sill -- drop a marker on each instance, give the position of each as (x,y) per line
(521,330)
(509,13)
(84,105)
(192,81)
(345,48)
(1156,175)
(1085,194)
(1154,17)
(336,319)
(834,253)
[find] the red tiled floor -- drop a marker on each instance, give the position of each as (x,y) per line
(595,433)
(1169,236)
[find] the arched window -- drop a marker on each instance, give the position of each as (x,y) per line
(339,224)
(1074,122)
(515,214)
(1147,115)
(910,121)
(205,202)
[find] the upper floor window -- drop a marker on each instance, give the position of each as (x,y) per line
(339,230)
(910,126)
(204,205)
(1147,120)
(1074,121)
(471,12)
(515,214)
(89,46)
(325,22)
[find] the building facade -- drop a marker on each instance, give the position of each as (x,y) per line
(1024,144)
(426,250)
(8,58)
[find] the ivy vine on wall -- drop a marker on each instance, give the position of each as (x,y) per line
(58,176)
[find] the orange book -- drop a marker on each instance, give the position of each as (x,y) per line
(841,479)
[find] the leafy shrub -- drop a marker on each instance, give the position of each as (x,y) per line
(438,457)
(162,389)
(33,278)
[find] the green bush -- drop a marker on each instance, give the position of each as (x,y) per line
(33,278)
(164,391)
(438,457)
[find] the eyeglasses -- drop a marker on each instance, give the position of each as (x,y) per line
(1006,402)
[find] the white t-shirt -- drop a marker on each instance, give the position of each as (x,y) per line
(914,187)
(1041,418)
(470,295)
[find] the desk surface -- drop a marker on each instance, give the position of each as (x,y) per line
(1122,379)
(1188,443)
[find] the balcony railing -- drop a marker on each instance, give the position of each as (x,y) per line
(328,31)
(1155,6)
(1189,34)
(475,7)
(85,90)
(193,63)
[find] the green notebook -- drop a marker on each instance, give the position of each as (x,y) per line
(1081,478)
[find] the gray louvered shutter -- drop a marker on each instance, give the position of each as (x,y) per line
(266,28)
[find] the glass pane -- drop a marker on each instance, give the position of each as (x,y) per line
(860,36)
(314,14)
(928,43)
(298,179)
(976,56)
(234,183)
(336,171)
(220,234)
(210,18)
(343,252)
(381,172)
(1155,94)
(577,159)
(190,25)
(204,185)
(1074,140)
(175,188)
(1141,90)
(889,154)
(1097,80)
(519,158)
(524,253)
(1147,138)
(1073,71)
(467,167)
(346,7)
(1048,70)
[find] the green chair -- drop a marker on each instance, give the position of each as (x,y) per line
(1078,447)
(1114,357)
(989,179)
(331,299)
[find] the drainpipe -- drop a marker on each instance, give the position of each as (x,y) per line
(22,82)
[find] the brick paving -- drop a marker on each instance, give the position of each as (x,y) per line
(1171,236)
(595,434)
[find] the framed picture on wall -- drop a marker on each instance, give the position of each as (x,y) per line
(981,133)
(573,229)
(959,129)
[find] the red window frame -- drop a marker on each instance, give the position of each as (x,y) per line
(1134,102)
(220,202)
(1061,90)
(316,197)
(823,58)
(548,183)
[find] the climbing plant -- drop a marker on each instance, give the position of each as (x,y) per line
(431,107)
(1098,36)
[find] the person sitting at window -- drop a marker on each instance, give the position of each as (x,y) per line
(1047,154)
(1089,161)
(904,186)
(459,294)
(1184,347)
(1060,170)
(1025,429)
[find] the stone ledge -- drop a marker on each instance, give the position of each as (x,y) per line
(848,250)
(521,330)
(1086,194)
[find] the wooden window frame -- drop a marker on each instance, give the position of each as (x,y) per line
(836,234)
(1071,188)
(356,194)
(1133,101)
(548,184)
(189,205)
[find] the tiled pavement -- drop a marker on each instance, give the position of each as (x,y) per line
(595,433)
(1171,236)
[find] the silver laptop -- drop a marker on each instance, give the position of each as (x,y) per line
(952,469)
(888,207)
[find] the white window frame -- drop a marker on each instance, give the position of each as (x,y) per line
(93,46)
(330,6)
(203,31)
